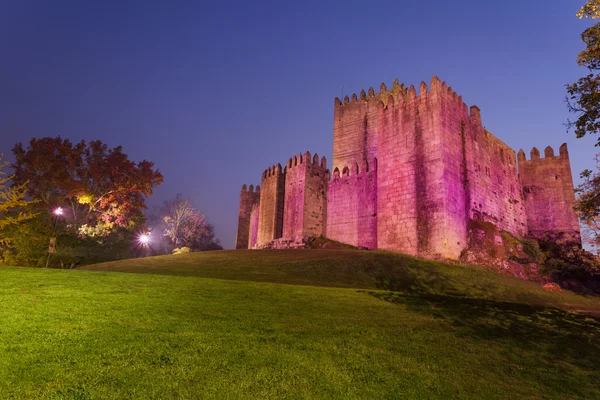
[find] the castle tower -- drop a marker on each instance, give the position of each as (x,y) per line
(420,179)
(549,195)
(305,204)
(248,198)
(355,126)
(270,214)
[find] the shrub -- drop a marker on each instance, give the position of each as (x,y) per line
(181,250)
(533,251)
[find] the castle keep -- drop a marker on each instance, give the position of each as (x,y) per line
(410,172)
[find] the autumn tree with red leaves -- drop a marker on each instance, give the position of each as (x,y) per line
(93,183)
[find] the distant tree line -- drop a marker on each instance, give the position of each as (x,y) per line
(92,199)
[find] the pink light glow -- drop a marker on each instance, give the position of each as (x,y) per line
(144,238)
(58,211)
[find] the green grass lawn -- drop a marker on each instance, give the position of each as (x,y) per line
(256,325)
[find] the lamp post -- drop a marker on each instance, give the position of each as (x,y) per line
(52,247)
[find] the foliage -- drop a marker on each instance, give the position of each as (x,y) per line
(101,230)
(583,97)
(572,267)
(184,225)
(591,9)
(181,250)
(29,246)
(92,182)
(14,206)
(532,249)
(587,206)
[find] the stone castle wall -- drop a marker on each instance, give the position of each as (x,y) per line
(248,199)
(270,214)
(352,205)
(254,215)
(549,196)
(495,193)
(411,200)
(305,196)
(411,170)
(315,196)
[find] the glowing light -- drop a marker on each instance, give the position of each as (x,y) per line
(58,211)
(144,238)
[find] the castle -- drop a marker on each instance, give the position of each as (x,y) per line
(410,172)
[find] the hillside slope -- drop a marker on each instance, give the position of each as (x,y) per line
(355,269)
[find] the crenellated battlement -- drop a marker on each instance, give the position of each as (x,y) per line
(370,95)
(273,171)
(306,158)
(534,154)
(399,94)
(355,170)
(250,189)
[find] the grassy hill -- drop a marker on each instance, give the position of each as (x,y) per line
(291,324)
(353,269)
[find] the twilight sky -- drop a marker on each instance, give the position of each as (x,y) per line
(215,92)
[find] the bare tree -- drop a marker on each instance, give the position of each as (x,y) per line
(184,225)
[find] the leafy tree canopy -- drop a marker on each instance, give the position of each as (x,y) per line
(91,181)
(14,207)
(583,97)
(591,9)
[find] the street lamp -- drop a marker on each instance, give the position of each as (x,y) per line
(52,247)
(144,238)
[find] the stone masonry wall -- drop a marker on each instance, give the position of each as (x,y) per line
(315,196)
(549,196)
(270,215)
(253,240)
(293,219)
(352,206)
(355,126)
(305,196)
(412,205)
(450,118)
(494,188)
(248,198)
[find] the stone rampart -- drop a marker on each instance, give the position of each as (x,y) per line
(248,198)
(494,188)
(253,240)
(352,205)
(270,215)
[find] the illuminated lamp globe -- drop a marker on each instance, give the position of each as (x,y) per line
(144,238)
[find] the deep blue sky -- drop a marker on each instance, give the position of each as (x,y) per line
(214,92)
